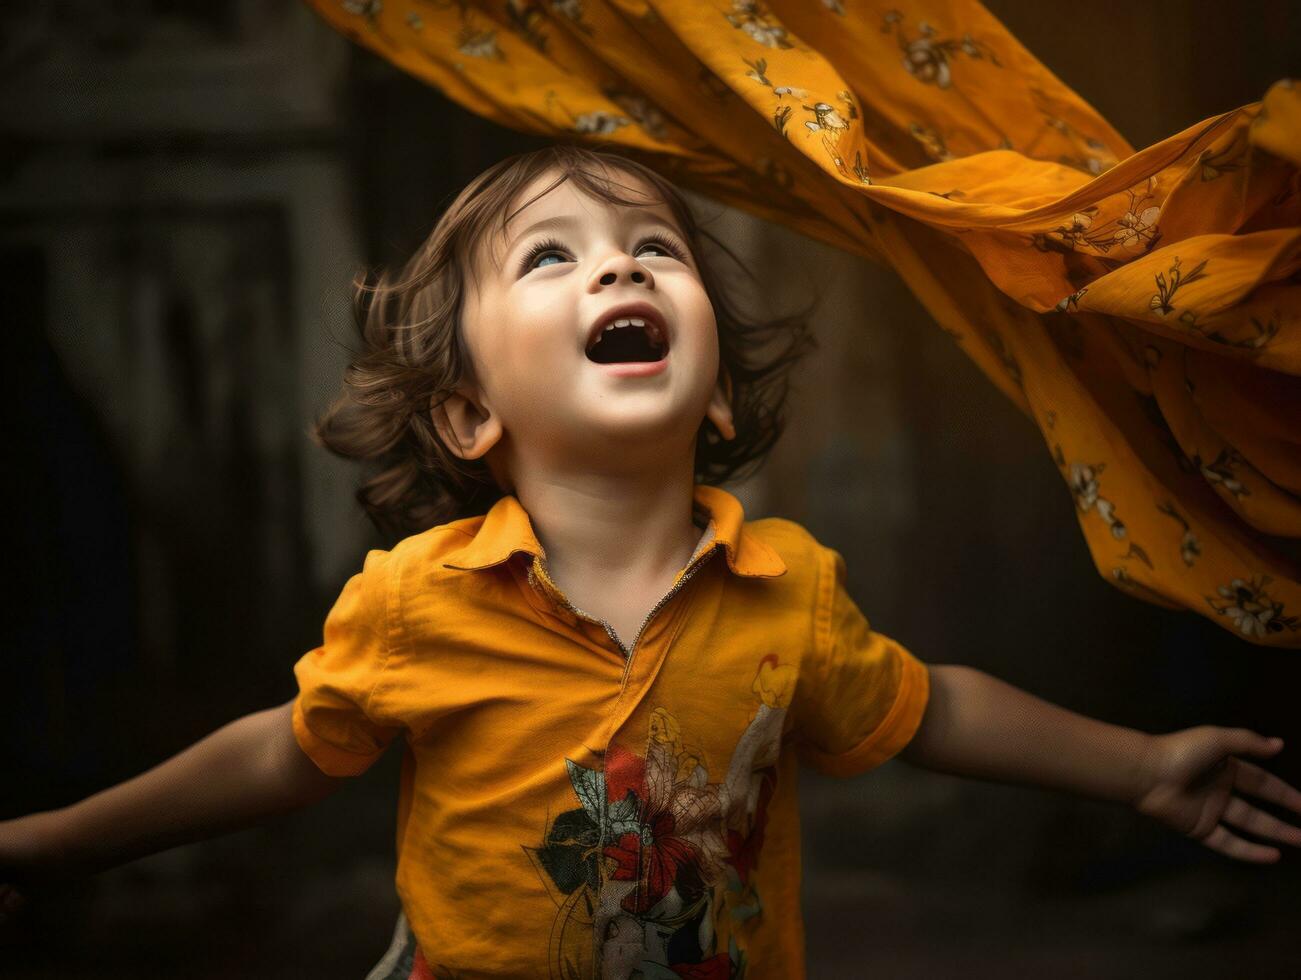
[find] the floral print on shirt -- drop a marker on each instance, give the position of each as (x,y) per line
(655,867)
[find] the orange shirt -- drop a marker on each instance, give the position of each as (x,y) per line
(572,809)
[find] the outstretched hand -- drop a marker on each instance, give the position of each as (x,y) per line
(1196,783)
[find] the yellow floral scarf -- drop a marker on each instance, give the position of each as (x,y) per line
(1143,309)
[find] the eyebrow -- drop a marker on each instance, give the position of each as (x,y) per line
(556,221)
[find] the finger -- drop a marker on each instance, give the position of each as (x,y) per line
(1233,846)
(1243,741)
(1246,817)
(1250,778)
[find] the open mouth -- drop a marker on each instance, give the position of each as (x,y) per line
(628,340)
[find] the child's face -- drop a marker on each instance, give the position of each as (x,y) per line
(531,321)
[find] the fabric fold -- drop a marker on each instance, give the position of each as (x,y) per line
(1142,308)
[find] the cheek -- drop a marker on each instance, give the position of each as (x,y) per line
(537,347)
(523,363)
(706,340)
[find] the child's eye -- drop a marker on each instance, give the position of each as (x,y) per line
(537,255)
(664,244)
(539,251)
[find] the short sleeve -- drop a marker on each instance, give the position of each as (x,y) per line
(335,719)
(860,696)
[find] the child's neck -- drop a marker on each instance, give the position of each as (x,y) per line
(623,526)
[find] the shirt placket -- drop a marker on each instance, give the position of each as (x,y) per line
(541,581)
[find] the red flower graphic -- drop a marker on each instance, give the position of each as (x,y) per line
(624,772)
(651,859)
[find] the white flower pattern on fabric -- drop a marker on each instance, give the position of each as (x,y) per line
(1084,485)
(1251,608)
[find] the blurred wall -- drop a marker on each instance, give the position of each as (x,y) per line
(189,193)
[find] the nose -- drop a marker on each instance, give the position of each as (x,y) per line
(621,267)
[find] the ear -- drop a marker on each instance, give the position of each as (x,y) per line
(720,407)
(466,424)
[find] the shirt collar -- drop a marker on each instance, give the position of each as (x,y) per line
(506,530)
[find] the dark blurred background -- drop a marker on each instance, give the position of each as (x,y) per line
(186,192)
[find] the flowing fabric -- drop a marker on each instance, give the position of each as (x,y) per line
(1141,308)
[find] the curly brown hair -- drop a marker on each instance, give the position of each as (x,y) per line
(413,353)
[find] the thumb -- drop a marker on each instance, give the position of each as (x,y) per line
(1243,741)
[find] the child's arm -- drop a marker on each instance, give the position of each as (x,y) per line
(976,725)
(241,774)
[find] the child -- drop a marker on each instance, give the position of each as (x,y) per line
(604,682)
